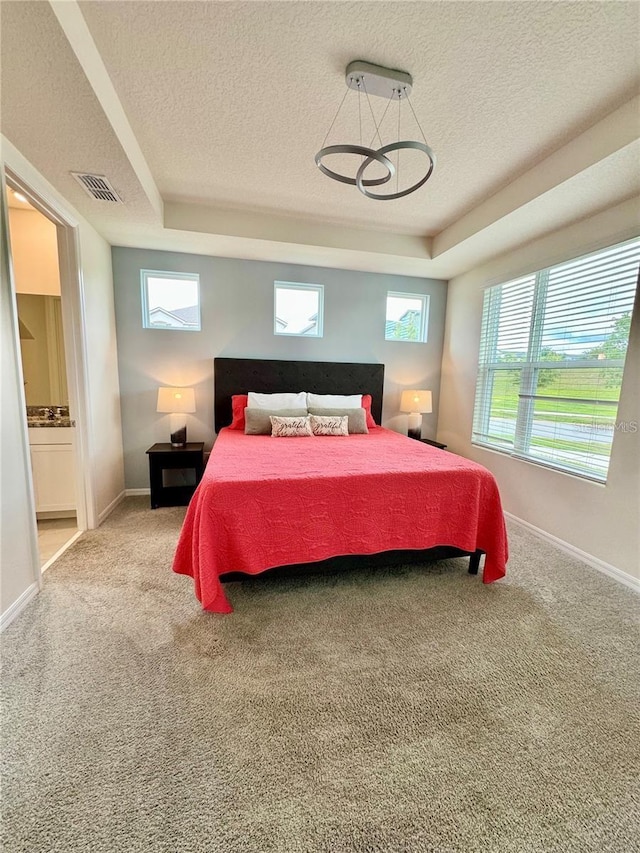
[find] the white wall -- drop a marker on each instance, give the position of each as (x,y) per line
(107,458)
(92,331)
(18,553)
(601,520)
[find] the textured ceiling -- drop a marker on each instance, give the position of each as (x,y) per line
(229,101)
(51,114)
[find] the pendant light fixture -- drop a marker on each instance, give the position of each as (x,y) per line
(375,80)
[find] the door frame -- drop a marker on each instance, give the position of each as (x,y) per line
(75,345)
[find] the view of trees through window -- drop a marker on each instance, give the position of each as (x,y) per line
(552,359)
(406,318)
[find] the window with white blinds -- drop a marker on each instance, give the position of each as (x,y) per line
(552,355)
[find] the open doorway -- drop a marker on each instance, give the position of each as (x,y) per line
(51,417)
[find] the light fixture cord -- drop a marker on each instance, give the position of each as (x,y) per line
(414,115)
(360,111)
(398,157)
(375,124)
(335,117)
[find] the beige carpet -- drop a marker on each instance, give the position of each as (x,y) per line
(400,710)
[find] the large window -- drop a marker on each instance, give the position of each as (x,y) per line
(298,309)
(170,300)
(407,317)
(552,354)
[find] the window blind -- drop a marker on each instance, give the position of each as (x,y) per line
(552,352)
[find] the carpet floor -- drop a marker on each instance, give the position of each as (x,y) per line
(402,709)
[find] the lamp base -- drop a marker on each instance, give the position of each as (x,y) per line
(179,438)
(414,425)
(178,430)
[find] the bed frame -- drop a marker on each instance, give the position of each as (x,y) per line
(272,376)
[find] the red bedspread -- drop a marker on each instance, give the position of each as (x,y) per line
(266,502)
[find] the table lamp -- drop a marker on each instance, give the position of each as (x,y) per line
(177,402)
(416,403)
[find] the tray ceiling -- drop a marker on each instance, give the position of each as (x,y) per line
(206,112)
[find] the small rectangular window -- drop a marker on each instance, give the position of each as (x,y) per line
(407,317)
(170,300)
(298,309)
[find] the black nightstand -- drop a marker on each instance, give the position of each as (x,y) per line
(433,443)
(164,457)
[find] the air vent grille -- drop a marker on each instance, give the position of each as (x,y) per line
(97,186)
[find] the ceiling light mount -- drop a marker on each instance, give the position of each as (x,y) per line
(380,81)
(392,85)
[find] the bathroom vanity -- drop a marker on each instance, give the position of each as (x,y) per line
(53,465)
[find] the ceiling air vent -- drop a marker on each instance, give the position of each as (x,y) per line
(97,186)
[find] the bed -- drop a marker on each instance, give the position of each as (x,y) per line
(267,502)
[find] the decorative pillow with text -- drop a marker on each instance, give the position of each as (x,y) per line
(290,427)
(357,420)
(329,424)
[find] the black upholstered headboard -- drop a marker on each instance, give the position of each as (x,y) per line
(270,376)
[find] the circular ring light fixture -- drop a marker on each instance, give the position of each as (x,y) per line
(393,85)
(370,153)
(386,149)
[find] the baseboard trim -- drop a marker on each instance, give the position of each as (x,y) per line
(136,492)
(46,516)
(108,510)
(583,556)
(18,606)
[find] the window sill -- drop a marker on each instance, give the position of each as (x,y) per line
(584,478)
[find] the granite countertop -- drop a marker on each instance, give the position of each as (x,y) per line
(46,422)
(49,416)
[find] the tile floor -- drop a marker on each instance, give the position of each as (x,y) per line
(53,533)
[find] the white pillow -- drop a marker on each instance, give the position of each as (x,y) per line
(334,401)
(276,401)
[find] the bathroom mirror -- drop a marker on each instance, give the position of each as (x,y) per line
(42,348)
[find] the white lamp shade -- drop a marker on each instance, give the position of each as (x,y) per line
(176,400)
(416,401)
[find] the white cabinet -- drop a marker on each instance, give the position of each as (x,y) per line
(53,466)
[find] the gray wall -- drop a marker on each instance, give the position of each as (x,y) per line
(237,321)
